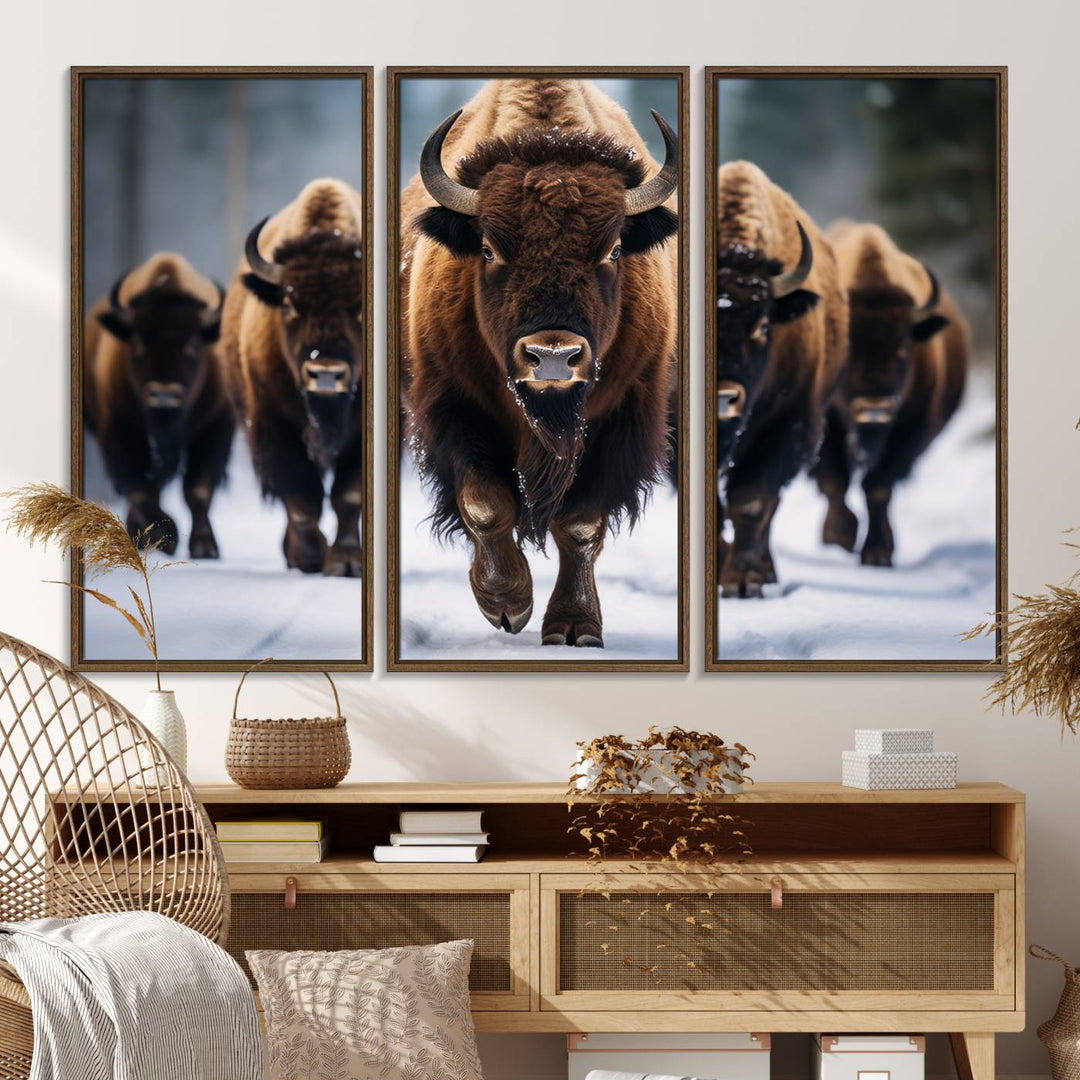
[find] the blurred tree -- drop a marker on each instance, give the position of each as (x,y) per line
(937,138)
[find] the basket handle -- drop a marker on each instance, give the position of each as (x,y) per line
(267,660)
(1040,952)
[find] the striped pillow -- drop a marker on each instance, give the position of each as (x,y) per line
(399,1014)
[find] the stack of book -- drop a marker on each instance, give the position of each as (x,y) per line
(273,840)
(897,759)
(428,836)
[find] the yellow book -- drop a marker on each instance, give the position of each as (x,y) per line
(271,829)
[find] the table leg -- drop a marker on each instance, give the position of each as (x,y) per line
(973,1052)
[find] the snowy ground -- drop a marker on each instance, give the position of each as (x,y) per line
(827,606)
(246,605)
(637,577)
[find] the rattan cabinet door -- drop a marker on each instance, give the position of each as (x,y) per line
(337,910)
(851,942)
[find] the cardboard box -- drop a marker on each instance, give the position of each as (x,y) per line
(867,1057)
(702,1055)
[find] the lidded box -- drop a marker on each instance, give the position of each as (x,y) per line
(732,1055)
(898,772)
(867,1057)
(895,740)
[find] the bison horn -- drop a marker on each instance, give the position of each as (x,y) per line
(662,186)
(446,192)
(212,316)
(114,297)
(268,271)
(791,280)
(935,294)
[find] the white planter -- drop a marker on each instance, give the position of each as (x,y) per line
(162,718)
(658,779)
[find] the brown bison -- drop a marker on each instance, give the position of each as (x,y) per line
(292,349)
(154,398)
(909,355)
(781,345)
(539,335)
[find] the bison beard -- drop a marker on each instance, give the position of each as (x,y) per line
(548,461)
(328,418)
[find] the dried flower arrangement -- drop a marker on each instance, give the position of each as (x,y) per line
(614,776)
(47,514)
(1043,672)
(662,801)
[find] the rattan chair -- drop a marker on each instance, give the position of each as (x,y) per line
(94,817)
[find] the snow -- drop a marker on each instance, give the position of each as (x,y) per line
(246,605)
(637,577)
(827,606)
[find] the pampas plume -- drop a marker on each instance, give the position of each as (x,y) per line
(46,514)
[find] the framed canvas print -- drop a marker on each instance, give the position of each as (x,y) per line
(537,506)
(855,367)
(221,358)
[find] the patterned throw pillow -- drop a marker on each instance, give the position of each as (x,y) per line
(391,1014)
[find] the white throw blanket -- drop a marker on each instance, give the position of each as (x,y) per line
(133,996)
(603,1074)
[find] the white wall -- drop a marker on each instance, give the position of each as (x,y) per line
(507,727)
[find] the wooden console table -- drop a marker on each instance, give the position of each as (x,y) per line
(859,911)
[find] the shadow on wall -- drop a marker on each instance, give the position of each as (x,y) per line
(383,728)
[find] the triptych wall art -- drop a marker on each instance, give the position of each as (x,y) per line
(539,370)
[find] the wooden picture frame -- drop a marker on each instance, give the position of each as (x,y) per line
(714,156)
(396,660)
(364,77)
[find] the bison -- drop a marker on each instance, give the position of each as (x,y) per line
(539,331)
(909,356)
(292,351)
(154,399)
(781,347)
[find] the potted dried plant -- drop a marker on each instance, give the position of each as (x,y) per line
(1043,671)
(665,802)
(46,514)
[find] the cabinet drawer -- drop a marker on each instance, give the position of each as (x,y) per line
(369,911)
(857,942)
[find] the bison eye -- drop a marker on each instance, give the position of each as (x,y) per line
(616,253)
(489,255)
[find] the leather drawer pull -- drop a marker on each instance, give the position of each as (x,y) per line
(290,894)
(776,888)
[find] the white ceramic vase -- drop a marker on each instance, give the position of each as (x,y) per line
(162,718)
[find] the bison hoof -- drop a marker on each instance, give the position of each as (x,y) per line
(841,528)
(203,546)
(161,535)
(746,584)
(876,555)
(343,562)
(304,551)
(768,571)
(585,634)
(510,620)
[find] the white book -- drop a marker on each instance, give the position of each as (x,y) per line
(400,839)
(430,854)
(269,851)
(440,821)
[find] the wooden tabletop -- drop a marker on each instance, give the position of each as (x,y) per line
(468,793)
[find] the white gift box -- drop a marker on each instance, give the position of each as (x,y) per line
(898,772)
(731,1055)
(867,1057)
(895,740)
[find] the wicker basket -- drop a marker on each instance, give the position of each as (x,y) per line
(1061,1033)
(305,753)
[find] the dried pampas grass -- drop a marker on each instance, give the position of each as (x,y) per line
(1043,672)
(46,514)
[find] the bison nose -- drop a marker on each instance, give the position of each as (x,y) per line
(730,400)
(325,376)
(873,410)
(552,357)
(164,395)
